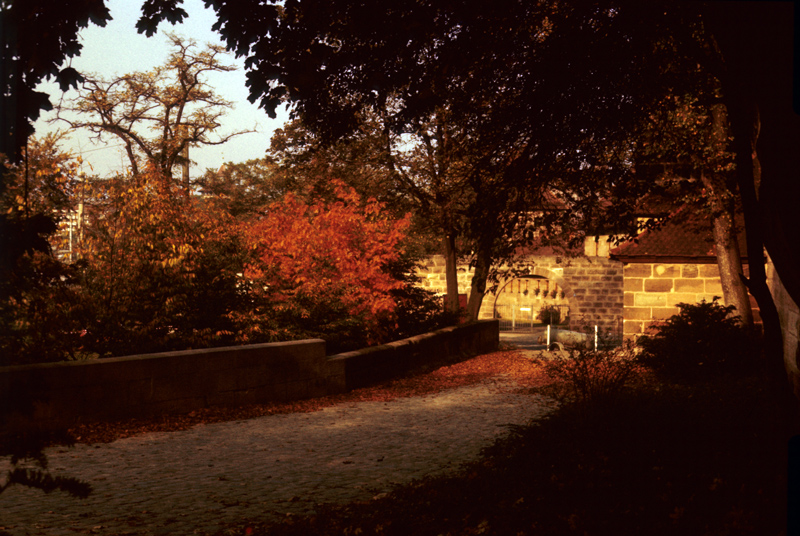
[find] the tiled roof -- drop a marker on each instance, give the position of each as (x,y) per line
(686,234)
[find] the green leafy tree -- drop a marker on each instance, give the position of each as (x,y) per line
(309,166)
(688,140)
(418,172)
(540,92)
(757,93)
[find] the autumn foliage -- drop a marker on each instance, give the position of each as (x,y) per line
(154,270)
(159,270)
(325,263)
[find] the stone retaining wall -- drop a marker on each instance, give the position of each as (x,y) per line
(63,394)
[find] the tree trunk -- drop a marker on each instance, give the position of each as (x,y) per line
(744,121)
(757,88)
(451,304)
(729,259)
(483,263)
(723,211)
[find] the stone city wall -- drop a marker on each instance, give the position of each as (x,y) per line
(62,394)
(654,290)
(593,286)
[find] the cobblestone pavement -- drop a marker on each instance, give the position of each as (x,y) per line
(201,480)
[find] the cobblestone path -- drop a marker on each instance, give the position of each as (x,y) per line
(201,480)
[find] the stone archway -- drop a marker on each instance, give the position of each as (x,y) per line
(519,300)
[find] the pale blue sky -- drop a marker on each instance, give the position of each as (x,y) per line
(117,49)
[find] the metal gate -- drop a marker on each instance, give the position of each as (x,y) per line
(524,318)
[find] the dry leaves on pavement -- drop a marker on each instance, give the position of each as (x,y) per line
(505,363)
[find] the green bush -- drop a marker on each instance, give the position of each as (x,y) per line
(705,340)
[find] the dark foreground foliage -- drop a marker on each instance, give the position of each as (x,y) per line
(705,340)
(671,460)
(28,464)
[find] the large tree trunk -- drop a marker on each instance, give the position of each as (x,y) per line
(451,304)
(757,88)
(729,259)
(483,263)
(744,120)
(723,210)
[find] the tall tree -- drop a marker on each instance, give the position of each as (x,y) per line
(172,101)
(688,140)
(536,88)
(310,167)
(569,79)
(421,171)
(244,188)
(757,81)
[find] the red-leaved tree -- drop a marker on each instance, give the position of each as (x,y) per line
(323,266)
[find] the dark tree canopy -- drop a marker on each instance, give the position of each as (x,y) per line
(38,36)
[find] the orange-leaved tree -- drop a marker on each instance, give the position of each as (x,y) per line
(324,265)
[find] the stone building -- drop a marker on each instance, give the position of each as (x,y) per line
(675,263)
(620,289)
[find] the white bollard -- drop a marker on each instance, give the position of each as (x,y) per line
(595,337)
(548,336)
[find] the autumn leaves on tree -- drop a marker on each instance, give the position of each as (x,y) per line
(152,268)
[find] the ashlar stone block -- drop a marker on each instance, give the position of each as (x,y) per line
(642,299)
(658,285)
(666,270)
(690,270)
(633,284)
(674,298)
(709,270)
(713,286)
(631,327)
(689,285)
(638,270)
(638,313)
(662,313)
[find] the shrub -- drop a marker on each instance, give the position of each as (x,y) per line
(703,341)
(586,376)
(550,314)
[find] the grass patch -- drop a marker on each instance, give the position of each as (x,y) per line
(674,460)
